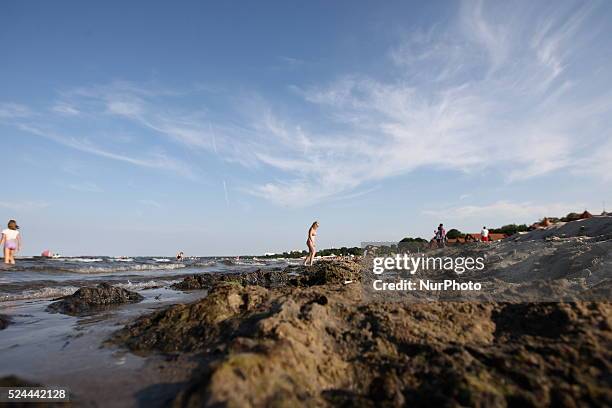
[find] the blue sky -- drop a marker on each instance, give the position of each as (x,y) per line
(226,128)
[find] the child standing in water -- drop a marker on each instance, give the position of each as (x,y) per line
(310,242)
(11,241)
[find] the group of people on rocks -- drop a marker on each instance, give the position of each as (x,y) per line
(441,240)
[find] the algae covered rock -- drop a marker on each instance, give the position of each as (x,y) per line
(321,273)
(317,342)
(91,299)
(326,272)
(4,321)
(194,282)
(261,277)
(194,326)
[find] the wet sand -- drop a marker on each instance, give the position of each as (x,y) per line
(55,349)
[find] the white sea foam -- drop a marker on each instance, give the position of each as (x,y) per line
(56,292)
(122,260)
(249,263)
(43,293)
(85,260)
(147,284)
(136,268)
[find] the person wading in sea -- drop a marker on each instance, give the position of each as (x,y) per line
(12,242)
(310,242)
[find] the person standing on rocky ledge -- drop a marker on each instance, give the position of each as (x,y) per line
(484,234)
(310,242)
(440,236)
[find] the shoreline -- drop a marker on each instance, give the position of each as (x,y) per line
(57,349)
(316,336)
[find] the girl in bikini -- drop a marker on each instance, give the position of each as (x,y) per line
(310,242)
(12,242)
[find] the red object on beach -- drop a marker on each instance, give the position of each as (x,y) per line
(46,253)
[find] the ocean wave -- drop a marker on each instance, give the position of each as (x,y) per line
(99,269)
(161,259)
(136,268)
(84,260)
(205,263)
(249,263)
(52,292)
(42,293)
(147,284)
(122,259)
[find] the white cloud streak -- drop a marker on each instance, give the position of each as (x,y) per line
(517,112)
(225,193)
(155,160)
(11,110)
(21,206)
(150,203)
(85,187)
(526,211)
(496,89)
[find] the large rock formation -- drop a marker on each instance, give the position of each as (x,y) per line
(266,278)
(320,273)
(91,299)
(319,342)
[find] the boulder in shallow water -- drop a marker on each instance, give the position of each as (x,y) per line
(91,299)
(195,282)
(4,321)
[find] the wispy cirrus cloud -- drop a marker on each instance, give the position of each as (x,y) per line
(23,205)
(65,109)
(511,210)
(156,160)
(9,110)
(85,187)
(498,88)
(467,97)
(150,203)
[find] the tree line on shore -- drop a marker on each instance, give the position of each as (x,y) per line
(343,251)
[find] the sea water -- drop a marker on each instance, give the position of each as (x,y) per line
(40,278)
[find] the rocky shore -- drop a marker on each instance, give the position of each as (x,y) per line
(92,299)
(303,337)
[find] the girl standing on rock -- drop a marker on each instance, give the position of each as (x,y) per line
(310,242)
